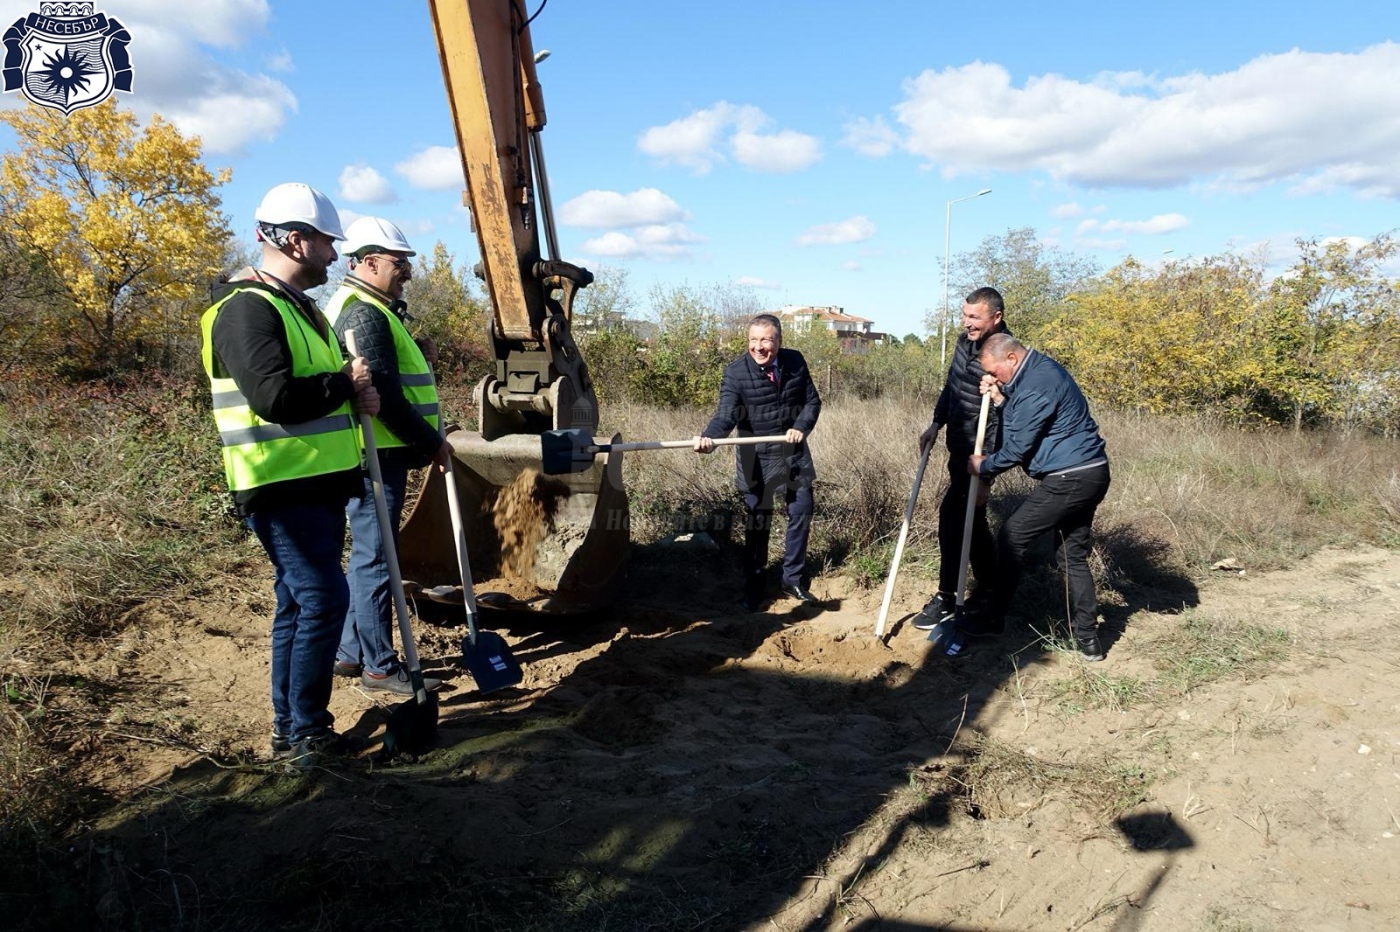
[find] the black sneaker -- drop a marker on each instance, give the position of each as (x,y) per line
(281,746)
(397,682)
(939,609)
(315,750)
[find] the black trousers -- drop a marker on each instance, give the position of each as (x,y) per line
(759,507)
(1063,506)
(952,515)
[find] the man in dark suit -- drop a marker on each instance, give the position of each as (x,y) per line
(768,391)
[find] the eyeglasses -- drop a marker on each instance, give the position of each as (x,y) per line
(403,265)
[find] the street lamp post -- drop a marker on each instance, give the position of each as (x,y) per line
(947,258)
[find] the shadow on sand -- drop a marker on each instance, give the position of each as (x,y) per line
(672,764)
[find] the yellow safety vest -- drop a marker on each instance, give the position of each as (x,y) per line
(415,375)
(258,452)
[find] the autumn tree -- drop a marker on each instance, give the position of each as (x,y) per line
(683,363)
(605,304)
(127,219)
(30,293)
(445,303)
(1183,337)
(1033,278)
(1335,322)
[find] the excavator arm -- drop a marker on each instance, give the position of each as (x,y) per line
(543,543)
(540,381)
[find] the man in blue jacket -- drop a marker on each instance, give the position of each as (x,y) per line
(1047,430)
(768,391)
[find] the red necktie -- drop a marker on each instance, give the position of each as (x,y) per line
(772,374)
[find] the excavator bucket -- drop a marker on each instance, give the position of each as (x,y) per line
(555,544)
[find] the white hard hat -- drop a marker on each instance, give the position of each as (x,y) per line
(374,233)
(293,202)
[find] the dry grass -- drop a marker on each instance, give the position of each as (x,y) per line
(865,456)
(1264,497)
(1002,782)
(1202,650)
(1186,493)
(110,497)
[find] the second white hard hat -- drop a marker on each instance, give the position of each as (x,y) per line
(300,203)
(374,234)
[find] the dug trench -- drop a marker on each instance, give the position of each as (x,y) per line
(677,764)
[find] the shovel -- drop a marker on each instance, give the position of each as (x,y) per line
(412,724)
(484,653)
(573,450)
(899,546)
(948,636)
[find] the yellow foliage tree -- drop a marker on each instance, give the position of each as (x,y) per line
(442,300)
(127,219)
(1335,320)
(1185,337)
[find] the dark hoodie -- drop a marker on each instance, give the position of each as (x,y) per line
(250,346)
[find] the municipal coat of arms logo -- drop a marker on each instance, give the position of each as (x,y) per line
(67,57)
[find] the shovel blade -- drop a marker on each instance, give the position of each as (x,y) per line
(412,726)
(947,637)
(490,662)
(566,451)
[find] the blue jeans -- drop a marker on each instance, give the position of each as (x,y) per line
(367,635)
(759,507)
(304,543)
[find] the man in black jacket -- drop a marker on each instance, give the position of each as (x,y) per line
(768,391)
(958,408)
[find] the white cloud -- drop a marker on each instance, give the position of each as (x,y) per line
(782,152)
(436,168)
(1066,211)
(753,281)
(696,141)
(1353,242)
(851,265)
(870,137)
(177,75)
(1317,121)
(1161,223)
(262,105)
(692,140)
(613,209)
(362,184)
(851,230)
(659,241)
(280,61)
(417,230)
(219,22)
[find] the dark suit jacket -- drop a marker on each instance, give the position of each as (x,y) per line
(755,406)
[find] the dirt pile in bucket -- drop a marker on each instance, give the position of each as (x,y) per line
(523,514)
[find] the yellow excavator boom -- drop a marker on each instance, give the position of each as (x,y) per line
(577,549)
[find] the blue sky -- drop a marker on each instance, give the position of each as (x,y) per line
(807,151)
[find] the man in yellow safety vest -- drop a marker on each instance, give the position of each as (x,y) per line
(370,302)
(284,401)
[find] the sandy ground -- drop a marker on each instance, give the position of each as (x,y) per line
(679,765)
